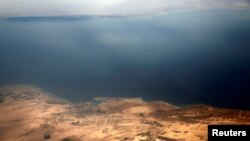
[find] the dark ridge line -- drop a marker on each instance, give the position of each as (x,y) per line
(65,18)
(48,18)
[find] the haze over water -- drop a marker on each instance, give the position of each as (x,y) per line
(182,57)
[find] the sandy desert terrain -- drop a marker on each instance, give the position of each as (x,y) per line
(29,114)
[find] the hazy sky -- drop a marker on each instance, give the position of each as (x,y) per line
(10,8)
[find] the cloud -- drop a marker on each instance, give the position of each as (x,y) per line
(10,8)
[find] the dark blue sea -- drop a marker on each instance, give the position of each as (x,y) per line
(182,57)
